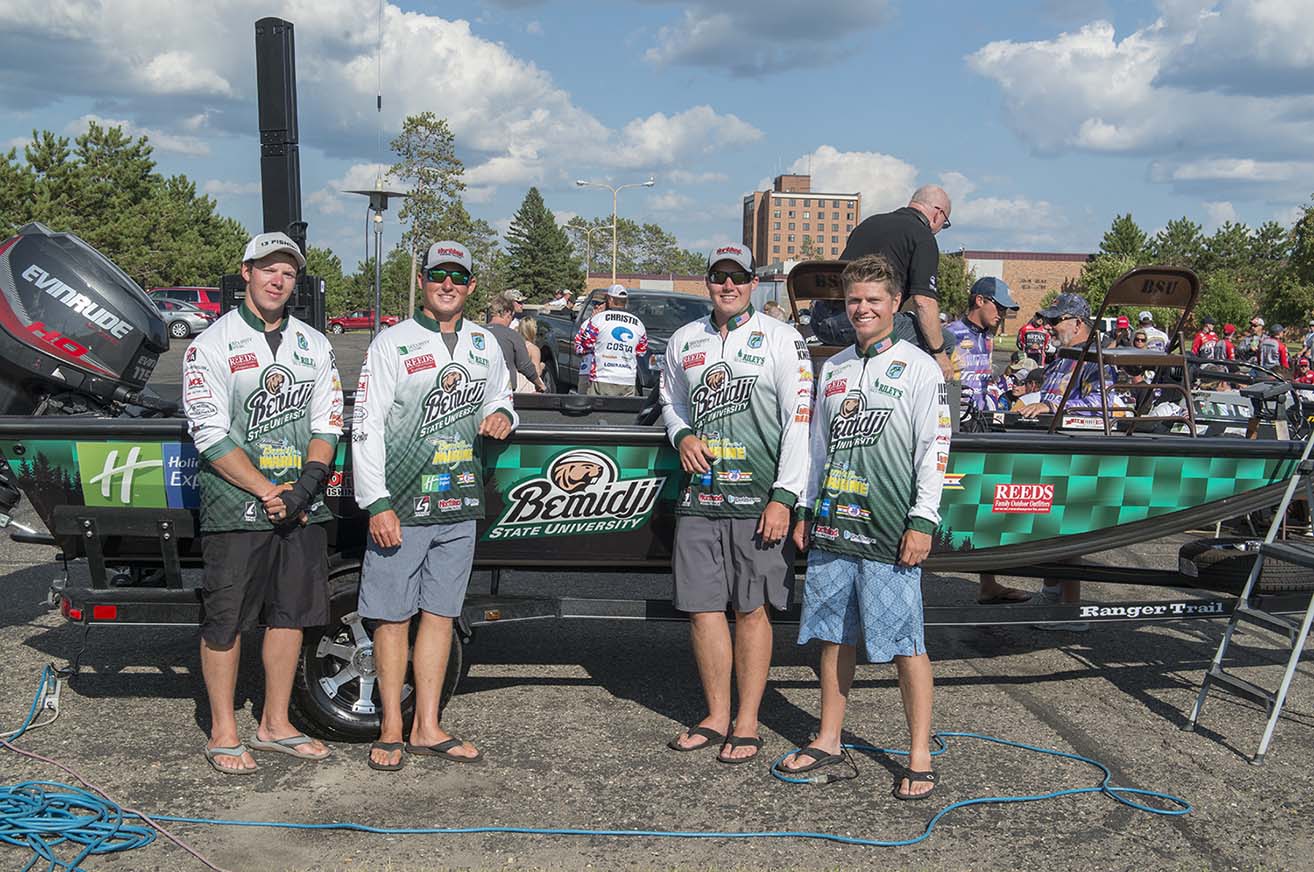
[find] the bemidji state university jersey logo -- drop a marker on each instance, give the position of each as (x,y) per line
(720,393)
(455,396)
(855,424)
(579,491)
(281,399)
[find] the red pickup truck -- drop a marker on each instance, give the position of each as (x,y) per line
(360,320)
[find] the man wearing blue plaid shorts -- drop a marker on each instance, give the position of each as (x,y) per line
(879,447)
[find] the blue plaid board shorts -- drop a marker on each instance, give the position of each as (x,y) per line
(848,598)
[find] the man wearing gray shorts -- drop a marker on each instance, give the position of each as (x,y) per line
(736,396)
(430,388)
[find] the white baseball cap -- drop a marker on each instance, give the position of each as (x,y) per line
(265,244)
(448,251)
(1145,316)
(617,291)
(731,251)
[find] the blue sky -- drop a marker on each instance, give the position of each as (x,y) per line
(1043,118)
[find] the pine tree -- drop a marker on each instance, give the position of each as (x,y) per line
(541,258)
(1124,239)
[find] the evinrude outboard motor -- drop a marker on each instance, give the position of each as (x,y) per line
(75,330)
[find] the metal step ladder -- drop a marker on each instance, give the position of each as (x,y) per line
(1296,631)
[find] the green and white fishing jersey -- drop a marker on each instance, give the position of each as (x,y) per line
(749,397)
(880,445)
(238,394)
(415,441)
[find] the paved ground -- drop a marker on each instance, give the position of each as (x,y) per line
(573,717)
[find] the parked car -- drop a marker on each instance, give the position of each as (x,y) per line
(206,299)
(660,311)
(183,320)
(362,319)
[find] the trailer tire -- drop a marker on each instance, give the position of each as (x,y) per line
(550,375)
(1222,565)
(335,659)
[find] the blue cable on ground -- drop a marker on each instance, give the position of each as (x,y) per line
(39,815)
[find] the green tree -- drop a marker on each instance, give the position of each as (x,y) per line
(953,282)
(428,166)
(1124,238)
(808,248)
(1179,243)
(1222,297)
(660,252)
(541,257)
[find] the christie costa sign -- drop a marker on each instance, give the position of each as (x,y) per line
(1032,499)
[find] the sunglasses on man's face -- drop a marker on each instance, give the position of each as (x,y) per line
(437,274)
(739,276)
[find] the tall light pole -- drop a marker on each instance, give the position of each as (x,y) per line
(588,249)
(378,205)
(615,190)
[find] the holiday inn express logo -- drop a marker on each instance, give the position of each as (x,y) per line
(122,474)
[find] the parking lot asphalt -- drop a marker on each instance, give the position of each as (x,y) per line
(573,717)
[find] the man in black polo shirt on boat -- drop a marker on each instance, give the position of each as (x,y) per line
(906,238)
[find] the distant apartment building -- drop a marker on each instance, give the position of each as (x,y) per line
(779,223)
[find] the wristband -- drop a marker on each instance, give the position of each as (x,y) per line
(939,350)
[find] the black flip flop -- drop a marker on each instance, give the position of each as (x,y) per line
(819,758)
(712,737)
(385,746)
(444,750)
(739,742)
(928,777)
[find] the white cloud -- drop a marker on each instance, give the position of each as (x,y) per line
(884,181)
(759,37)
(219,187)
(1289,215)
(535,28)
(1219,213)
(513,124)
(190,146)
(1221,92)
(671,201)
(331,199)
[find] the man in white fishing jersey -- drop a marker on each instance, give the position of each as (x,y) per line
(615,340)
(432,388)
(880,445)
(736,395)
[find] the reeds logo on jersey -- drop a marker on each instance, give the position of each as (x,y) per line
(579,491)
(855,424)
(720,393)
(454,397)
(146,475)
(280,399)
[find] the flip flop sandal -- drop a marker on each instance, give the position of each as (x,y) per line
(820,759)
(289,747)
(740,742)
(236,751)
(444,750)
(386,746)
(712,737)
(928,777)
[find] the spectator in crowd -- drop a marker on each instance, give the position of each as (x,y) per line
(596,305)
(560,300)
(1070,317)
(906,237)
(1032,339)
(773,309)
(1307,344)
(1205,338)
(529,330)
(1272,350)
(1013,383)
(616,340)
(1155,339)
(515,352)
(1028,390)
(988,305)
(1121,337)
(1303,374)
(1247,348)
(518,301)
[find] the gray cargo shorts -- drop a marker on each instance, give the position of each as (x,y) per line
(430,570)
(721,562)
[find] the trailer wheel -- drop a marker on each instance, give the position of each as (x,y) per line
(1223,565)
(336,694)
(550,375)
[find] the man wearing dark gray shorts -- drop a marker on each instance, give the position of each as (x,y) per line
(736,396)
(430,389)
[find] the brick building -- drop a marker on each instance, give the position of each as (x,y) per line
(1030,274)
(776,222)
(650,282)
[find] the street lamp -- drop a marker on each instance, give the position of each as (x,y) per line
(588,249)
(378,205)
(614,191)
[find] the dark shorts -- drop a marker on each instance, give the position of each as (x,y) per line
(278,578)
(721,562)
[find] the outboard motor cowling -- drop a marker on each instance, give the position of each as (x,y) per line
(71,321)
